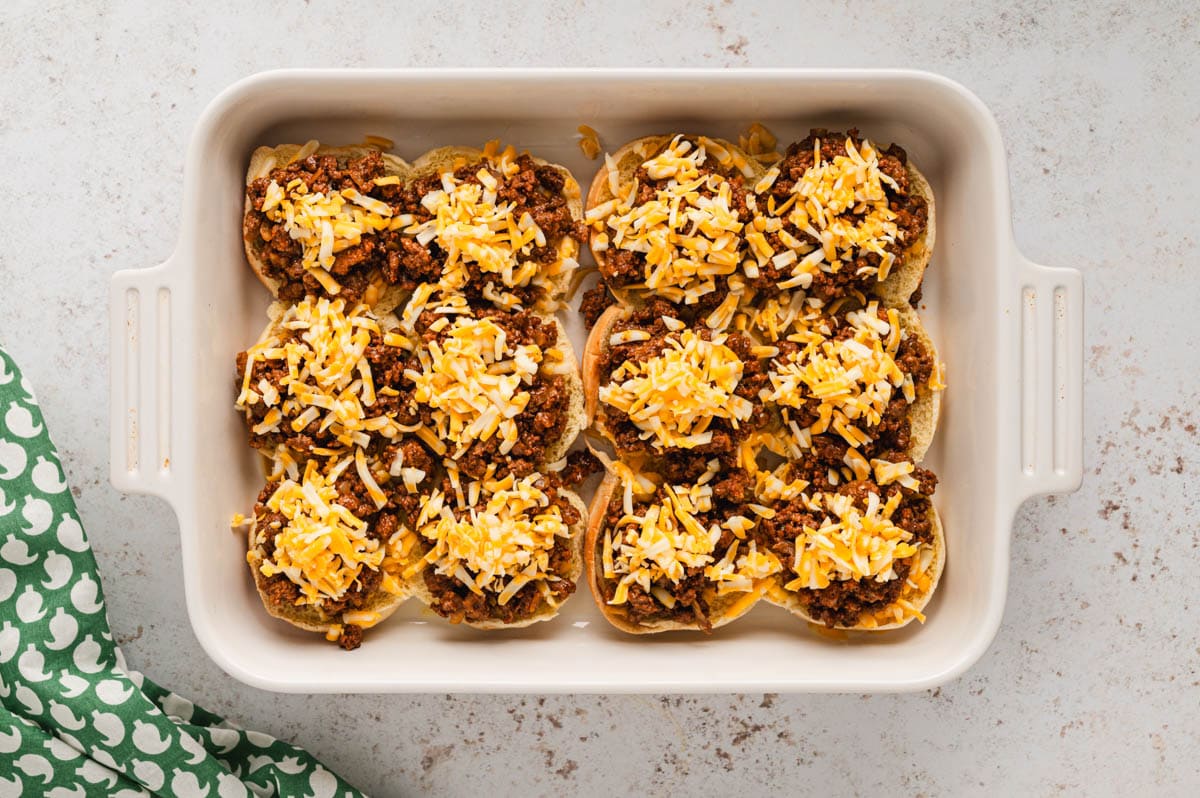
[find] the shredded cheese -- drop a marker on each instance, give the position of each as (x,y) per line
(842,207)
(734,574)
(496,541)
(689,233)
(475,382)
(759,143)
(656,542)
(328,381)
(589,142)
(674,397)
(851,543)
(851,378)
(323,547)
(475,228)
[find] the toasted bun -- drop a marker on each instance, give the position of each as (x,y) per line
(594,349)
(723,609)
(577,416)
(627,160)
(544,612)
(791,601)
(275,311)
(447,159)
(923,412)
(264,159)
(593,352)
(310,617)
(906,276)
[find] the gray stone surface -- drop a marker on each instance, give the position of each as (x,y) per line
(1091,685)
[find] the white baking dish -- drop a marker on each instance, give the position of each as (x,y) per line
(1010,332)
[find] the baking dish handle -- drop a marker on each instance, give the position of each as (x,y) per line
(140,383)
(1051,380)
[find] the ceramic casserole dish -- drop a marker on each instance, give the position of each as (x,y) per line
(1009,331)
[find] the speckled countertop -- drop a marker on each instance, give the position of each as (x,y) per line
(1093,683)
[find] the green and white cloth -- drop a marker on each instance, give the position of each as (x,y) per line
(74,721)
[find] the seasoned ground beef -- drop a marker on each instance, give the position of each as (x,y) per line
(581,464)
(457,603)
(281,591)
(843,603)
(281,256)
(544,418)
(893,433)
(536,190)
(622,267)
(414,454)
(595,301)
(387,370)
(725,436)
(912,214)
(351,637)
(681,467)
(732,491)
(453,601)
(691,607)
(388,364)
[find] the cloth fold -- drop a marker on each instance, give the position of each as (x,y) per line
(74,720)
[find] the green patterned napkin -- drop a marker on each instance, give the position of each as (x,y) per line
(74,721)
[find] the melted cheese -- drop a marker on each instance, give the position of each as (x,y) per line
(674,397)
(689,233)
(323,548)
(328,381)
(850,543)
(475,382)
(497,538)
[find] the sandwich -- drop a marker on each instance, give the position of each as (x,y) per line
(660,389)
(317,547)
(839,216)
(496,552)
(665,557)
(666,217)
(865,554)
(866,377)
(501,228)
(325,221)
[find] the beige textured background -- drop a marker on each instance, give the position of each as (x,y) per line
(1092,684)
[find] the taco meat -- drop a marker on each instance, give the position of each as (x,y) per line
(911,214)
(595,301)
(454,601)
(844,602)
(281,255)
(533,189)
